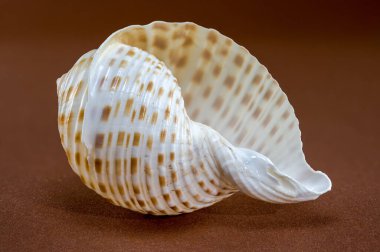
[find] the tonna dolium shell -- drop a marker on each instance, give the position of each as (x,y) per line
(168,118)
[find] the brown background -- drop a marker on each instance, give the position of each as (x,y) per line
(326,57)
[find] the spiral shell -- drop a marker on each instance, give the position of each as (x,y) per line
(124,121)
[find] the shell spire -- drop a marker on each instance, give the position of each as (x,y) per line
(169,118)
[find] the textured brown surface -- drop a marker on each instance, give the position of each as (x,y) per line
(325,57)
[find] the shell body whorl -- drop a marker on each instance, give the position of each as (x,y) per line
(127,134)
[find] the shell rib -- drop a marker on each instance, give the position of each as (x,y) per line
(127,134)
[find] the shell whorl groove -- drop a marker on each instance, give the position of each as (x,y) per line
(124,124)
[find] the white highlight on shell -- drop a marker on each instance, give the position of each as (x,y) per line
(127,134)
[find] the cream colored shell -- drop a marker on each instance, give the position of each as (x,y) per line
(127,134)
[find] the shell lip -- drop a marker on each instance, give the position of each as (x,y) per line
(312,187)
(311,184)
(257,176)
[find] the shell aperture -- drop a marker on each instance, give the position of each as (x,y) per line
(127,133)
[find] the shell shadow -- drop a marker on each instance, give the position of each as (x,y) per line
(87,208)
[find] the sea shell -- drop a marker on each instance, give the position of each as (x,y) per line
(127,134)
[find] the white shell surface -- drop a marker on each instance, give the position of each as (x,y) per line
(126,132)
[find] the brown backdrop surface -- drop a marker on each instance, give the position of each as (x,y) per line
(325,56)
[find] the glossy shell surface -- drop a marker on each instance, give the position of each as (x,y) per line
(150,119)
